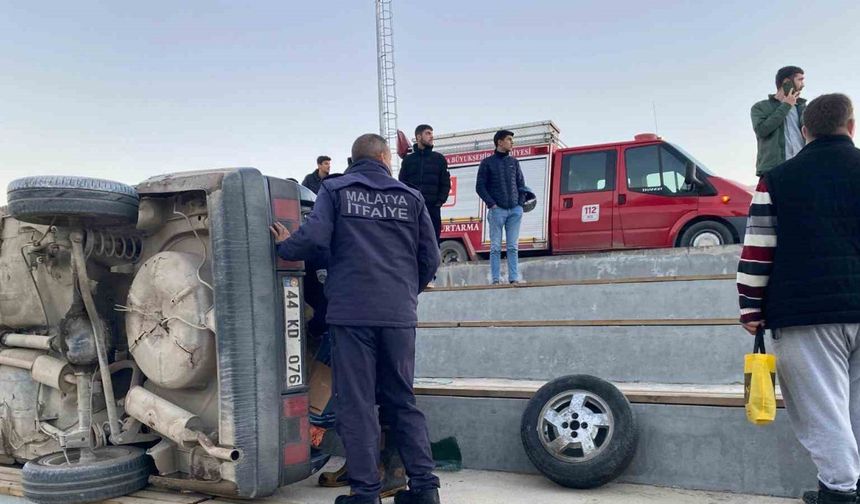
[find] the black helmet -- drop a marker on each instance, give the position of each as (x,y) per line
(529,200)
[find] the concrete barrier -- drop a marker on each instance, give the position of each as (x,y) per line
(695,447)
(701,299)
(625,322)
(618,264)
(663,354)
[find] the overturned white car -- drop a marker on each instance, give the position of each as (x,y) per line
(150,335)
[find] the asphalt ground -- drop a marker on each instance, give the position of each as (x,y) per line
(490,487)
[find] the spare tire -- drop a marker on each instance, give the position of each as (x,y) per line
(78,201)
(115,471)
(579,431)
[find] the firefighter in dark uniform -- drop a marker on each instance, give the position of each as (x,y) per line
(383,252)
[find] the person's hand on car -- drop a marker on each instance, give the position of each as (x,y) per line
(280,232)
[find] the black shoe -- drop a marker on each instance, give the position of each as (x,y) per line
(426,496)
(826,496)
(356,499)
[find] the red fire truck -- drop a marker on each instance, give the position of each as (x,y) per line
(641,193)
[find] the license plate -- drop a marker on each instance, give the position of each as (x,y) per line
(293,332)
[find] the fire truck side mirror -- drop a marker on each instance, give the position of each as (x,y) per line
(691,176)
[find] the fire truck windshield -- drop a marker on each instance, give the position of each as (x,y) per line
(701,166)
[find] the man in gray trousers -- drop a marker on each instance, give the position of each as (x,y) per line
(799,275)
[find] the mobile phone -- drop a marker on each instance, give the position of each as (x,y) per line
(787,87)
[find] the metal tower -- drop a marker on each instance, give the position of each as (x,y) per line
(385,68)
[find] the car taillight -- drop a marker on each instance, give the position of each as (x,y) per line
(297,429)
(287,210)
(296,406)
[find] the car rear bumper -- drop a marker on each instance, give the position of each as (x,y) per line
(247,304)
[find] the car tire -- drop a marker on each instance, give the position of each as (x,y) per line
(706,234)
(453,252)
(555,424)
(79,201)
(117,471)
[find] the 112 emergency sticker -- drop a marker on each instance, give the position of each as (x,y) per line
(590,213)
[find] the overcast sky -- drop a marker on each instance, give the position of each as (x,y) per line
(125,90)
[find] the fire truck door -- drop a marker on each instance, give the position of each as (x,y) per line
(585,200)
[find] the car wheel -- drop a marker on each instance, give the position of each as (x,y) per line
(112,471)
(63,201)
(453,252)
(706,234)
(579,431)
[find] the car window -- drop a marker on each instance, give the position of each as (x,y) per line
(588,172)
(674,169)
(655,169)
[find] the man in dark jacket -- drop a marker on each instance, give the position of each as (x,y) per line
(427,171)
(313,179)
(799,275)
(316,265)
(382,254)
(777,121)
(500,184)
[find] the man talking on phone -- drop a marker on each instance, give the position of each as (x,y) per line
(777,121)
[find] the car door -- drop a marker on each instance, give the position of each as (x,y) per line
(585,198)
(657,195)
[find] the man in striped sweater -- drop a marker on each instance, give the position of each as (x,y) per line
(799,275)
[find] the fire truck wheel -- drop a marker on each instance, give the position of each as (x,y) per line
(114,472)
(706,234)
(452,252)
(61,201)
(579,431)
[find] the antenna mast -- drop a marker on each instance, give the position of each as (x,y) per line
(385,68)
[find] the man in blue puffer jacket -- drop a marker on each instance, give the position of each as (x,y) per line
(501,185)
